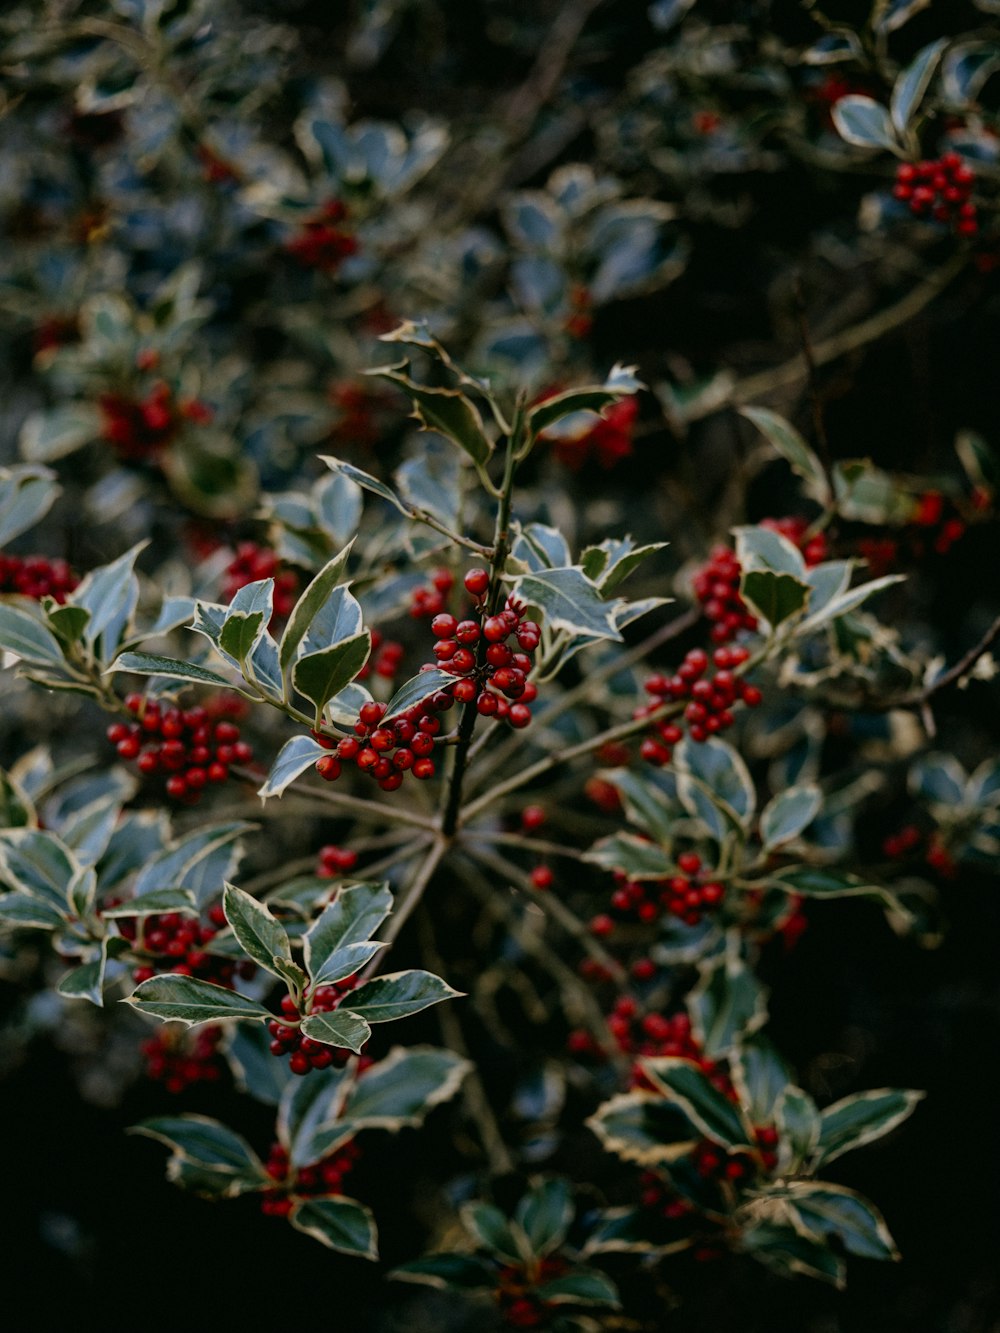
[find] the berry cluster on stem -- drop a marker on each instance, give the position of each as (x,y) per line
(287,1038)
(193,746)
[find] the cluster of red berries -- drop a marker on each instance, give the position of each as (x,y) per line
(387,752)
(195,746)
(607,442)
(252,563)
(710,700)
(658,1196)
(939,188)
(519,1306)
(35,576)
(138,428)
(321,242)
(304,1053)
(714,1162)
(430,600)
(318,1178)
(687,896)
(173,942)
(335,862)
(717,586)
(898,847)
(179,1059)
(385,660)
(502,666)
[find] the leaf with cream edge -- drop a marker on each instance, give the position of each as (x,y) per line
(569,601)
(447,411)
(340,1223)
(292,760)
(793,448)
(337,1027)
(399,994)
(789,813)
(192,1001)
(828,1211)
(151,664)
(203,1140)
(260,936)
(415,690)
(338,944)
(319,676)
(403,1087)
(862,1118)
(28,638)
(689,1088)
(644,1128)
(309,605)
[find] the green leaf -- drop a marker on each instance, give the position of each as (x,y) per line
(583,1287)
(200,1139)
(23,911)
(340,1223)
(261,937)
(636,857)
(309,605)
(86,982)
(819,882)
(400,1090)
(306,1106)
(863,1118)
(415,690)
(683,1083)
(459,1271)
(544,1214)
(761,1075)
(791,811)
(149,664)
(38,863)
(773,597)
(712,769)
(791,1254)
(590,398)
(644,1128)
(67,622)
(339,1027)
(726,1005)
(152,904)
(26,495)
(447,411)
(398,995)
(192,1001)
(319,676)
(569,601)
(760,548)
(847,602)
(367,482)
(492,1230)
(798,1124)
(241,634)
(338,943)
(834,1211)
(294,757)
(111,594)
(911,85)
(793,448)
(864,123)
(27,637)
(59,431)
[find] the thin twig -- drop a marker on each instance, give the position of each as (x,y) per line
(477,1103)
(869,330)
(554,907)
(577,996)
(537,845)
(918,699)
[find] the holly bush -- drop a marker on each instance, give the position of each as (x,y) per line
(496,516)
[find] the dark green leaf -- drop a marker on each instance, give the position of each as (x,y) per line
(191,1001)
(149,664)
(863,1118)
(792,447)
(545,1213)
(27,637)
(569,601)
(319,676)
(415,690)
(833,1211)
(294,757)
(262,938)
(340,1223)
(339,1027)
(398,995)
(309,605)
(447,411)
(864,123)
(682,1082)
